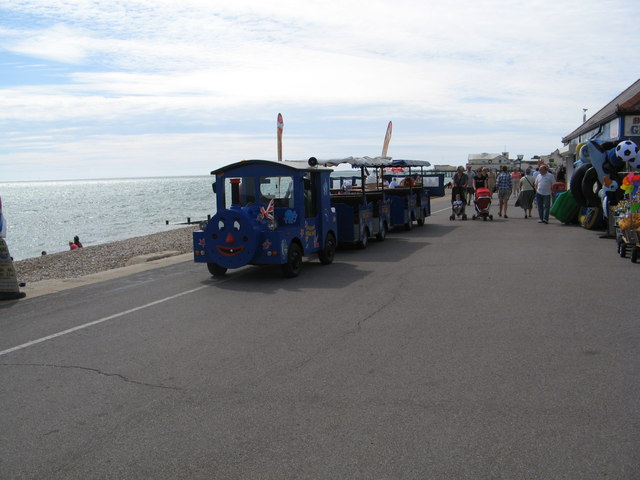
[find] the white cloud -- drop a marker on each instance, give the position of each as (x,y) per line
(58,43)
(475,73)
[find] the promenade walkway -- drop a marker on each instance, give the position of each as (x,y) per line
(503,349)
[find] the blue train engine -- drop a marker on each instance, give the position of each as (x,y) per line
(268,213)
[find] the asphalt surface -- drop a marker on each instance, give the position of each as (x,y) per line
(459,350)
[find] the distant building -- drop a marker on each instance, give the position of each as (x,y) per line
(489,160)
(497,160)
(444,168)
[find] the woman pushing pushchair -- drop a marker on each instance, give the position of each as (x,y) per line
(458,191)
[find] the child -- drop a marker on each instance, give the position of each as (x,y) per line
(458,205)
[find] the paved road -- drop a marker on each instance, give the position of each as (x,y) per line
(504,349)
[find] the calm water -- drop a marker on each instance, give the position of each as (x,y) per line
(46,215)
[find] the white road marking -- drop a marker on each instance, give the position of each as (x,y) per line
(438,211)
(111,317)
(100,320)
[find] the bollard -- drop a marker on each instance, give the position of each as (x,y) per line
(188,220)
(166,222)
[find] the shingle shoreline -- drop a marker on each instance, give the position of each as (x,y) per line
(98,258)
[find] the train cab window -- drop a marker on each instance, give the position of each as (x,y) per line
(239,191)
(278,189)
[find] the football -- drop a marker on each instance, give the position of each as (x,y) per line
(628,152)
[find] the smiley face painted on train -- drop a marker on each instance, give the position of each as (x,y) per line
(231,240)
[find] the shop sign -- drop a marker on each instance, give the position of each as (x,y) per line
(632,126)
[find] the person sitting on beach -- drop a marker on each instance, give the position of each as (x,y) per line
(76,240)
(73,246)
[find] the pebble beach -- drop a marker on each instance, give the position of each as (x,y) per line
(98,258)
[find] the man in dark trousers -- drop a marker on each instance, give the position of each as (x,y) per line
(460,183)
(470,190)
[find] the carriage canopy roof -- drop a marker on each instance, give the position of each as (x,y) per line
(291,166)
(356,162)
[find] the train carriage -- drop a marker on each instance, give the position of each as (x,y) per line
(411,201)
(363,210)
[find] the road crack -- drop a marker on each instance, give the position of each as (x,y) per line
(94,370)
(356,329)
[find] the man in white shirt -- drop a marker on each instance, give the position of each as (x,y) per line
(371,181)
(542,184)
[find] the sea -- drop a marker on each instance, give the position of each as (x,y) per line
(46,215)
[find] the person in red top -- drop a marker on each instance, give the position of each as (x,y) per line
(556,189)
(408,181)
(516,175)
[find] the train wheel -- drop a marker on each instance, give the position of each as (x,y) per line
(293,266)
(328,252)
(216,270)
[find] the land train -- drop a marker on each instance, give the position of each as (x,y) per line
(277,213)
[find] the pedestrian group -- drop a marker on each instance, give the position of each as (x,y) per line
(539,185)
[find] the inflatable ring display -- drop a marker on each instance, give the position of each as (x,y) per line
(590,194)
(576,184)
(590,218)
(578,148)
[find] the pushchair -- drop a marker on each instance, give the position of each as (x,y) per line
(458,210)
(482,202)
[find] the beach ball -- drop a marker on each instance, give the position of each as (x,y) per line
(628,152)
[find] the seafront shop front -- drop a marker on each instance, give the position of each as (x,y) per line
(598,156)
(627,218)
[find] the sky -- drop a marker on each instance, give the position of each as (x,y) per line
(112,89)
